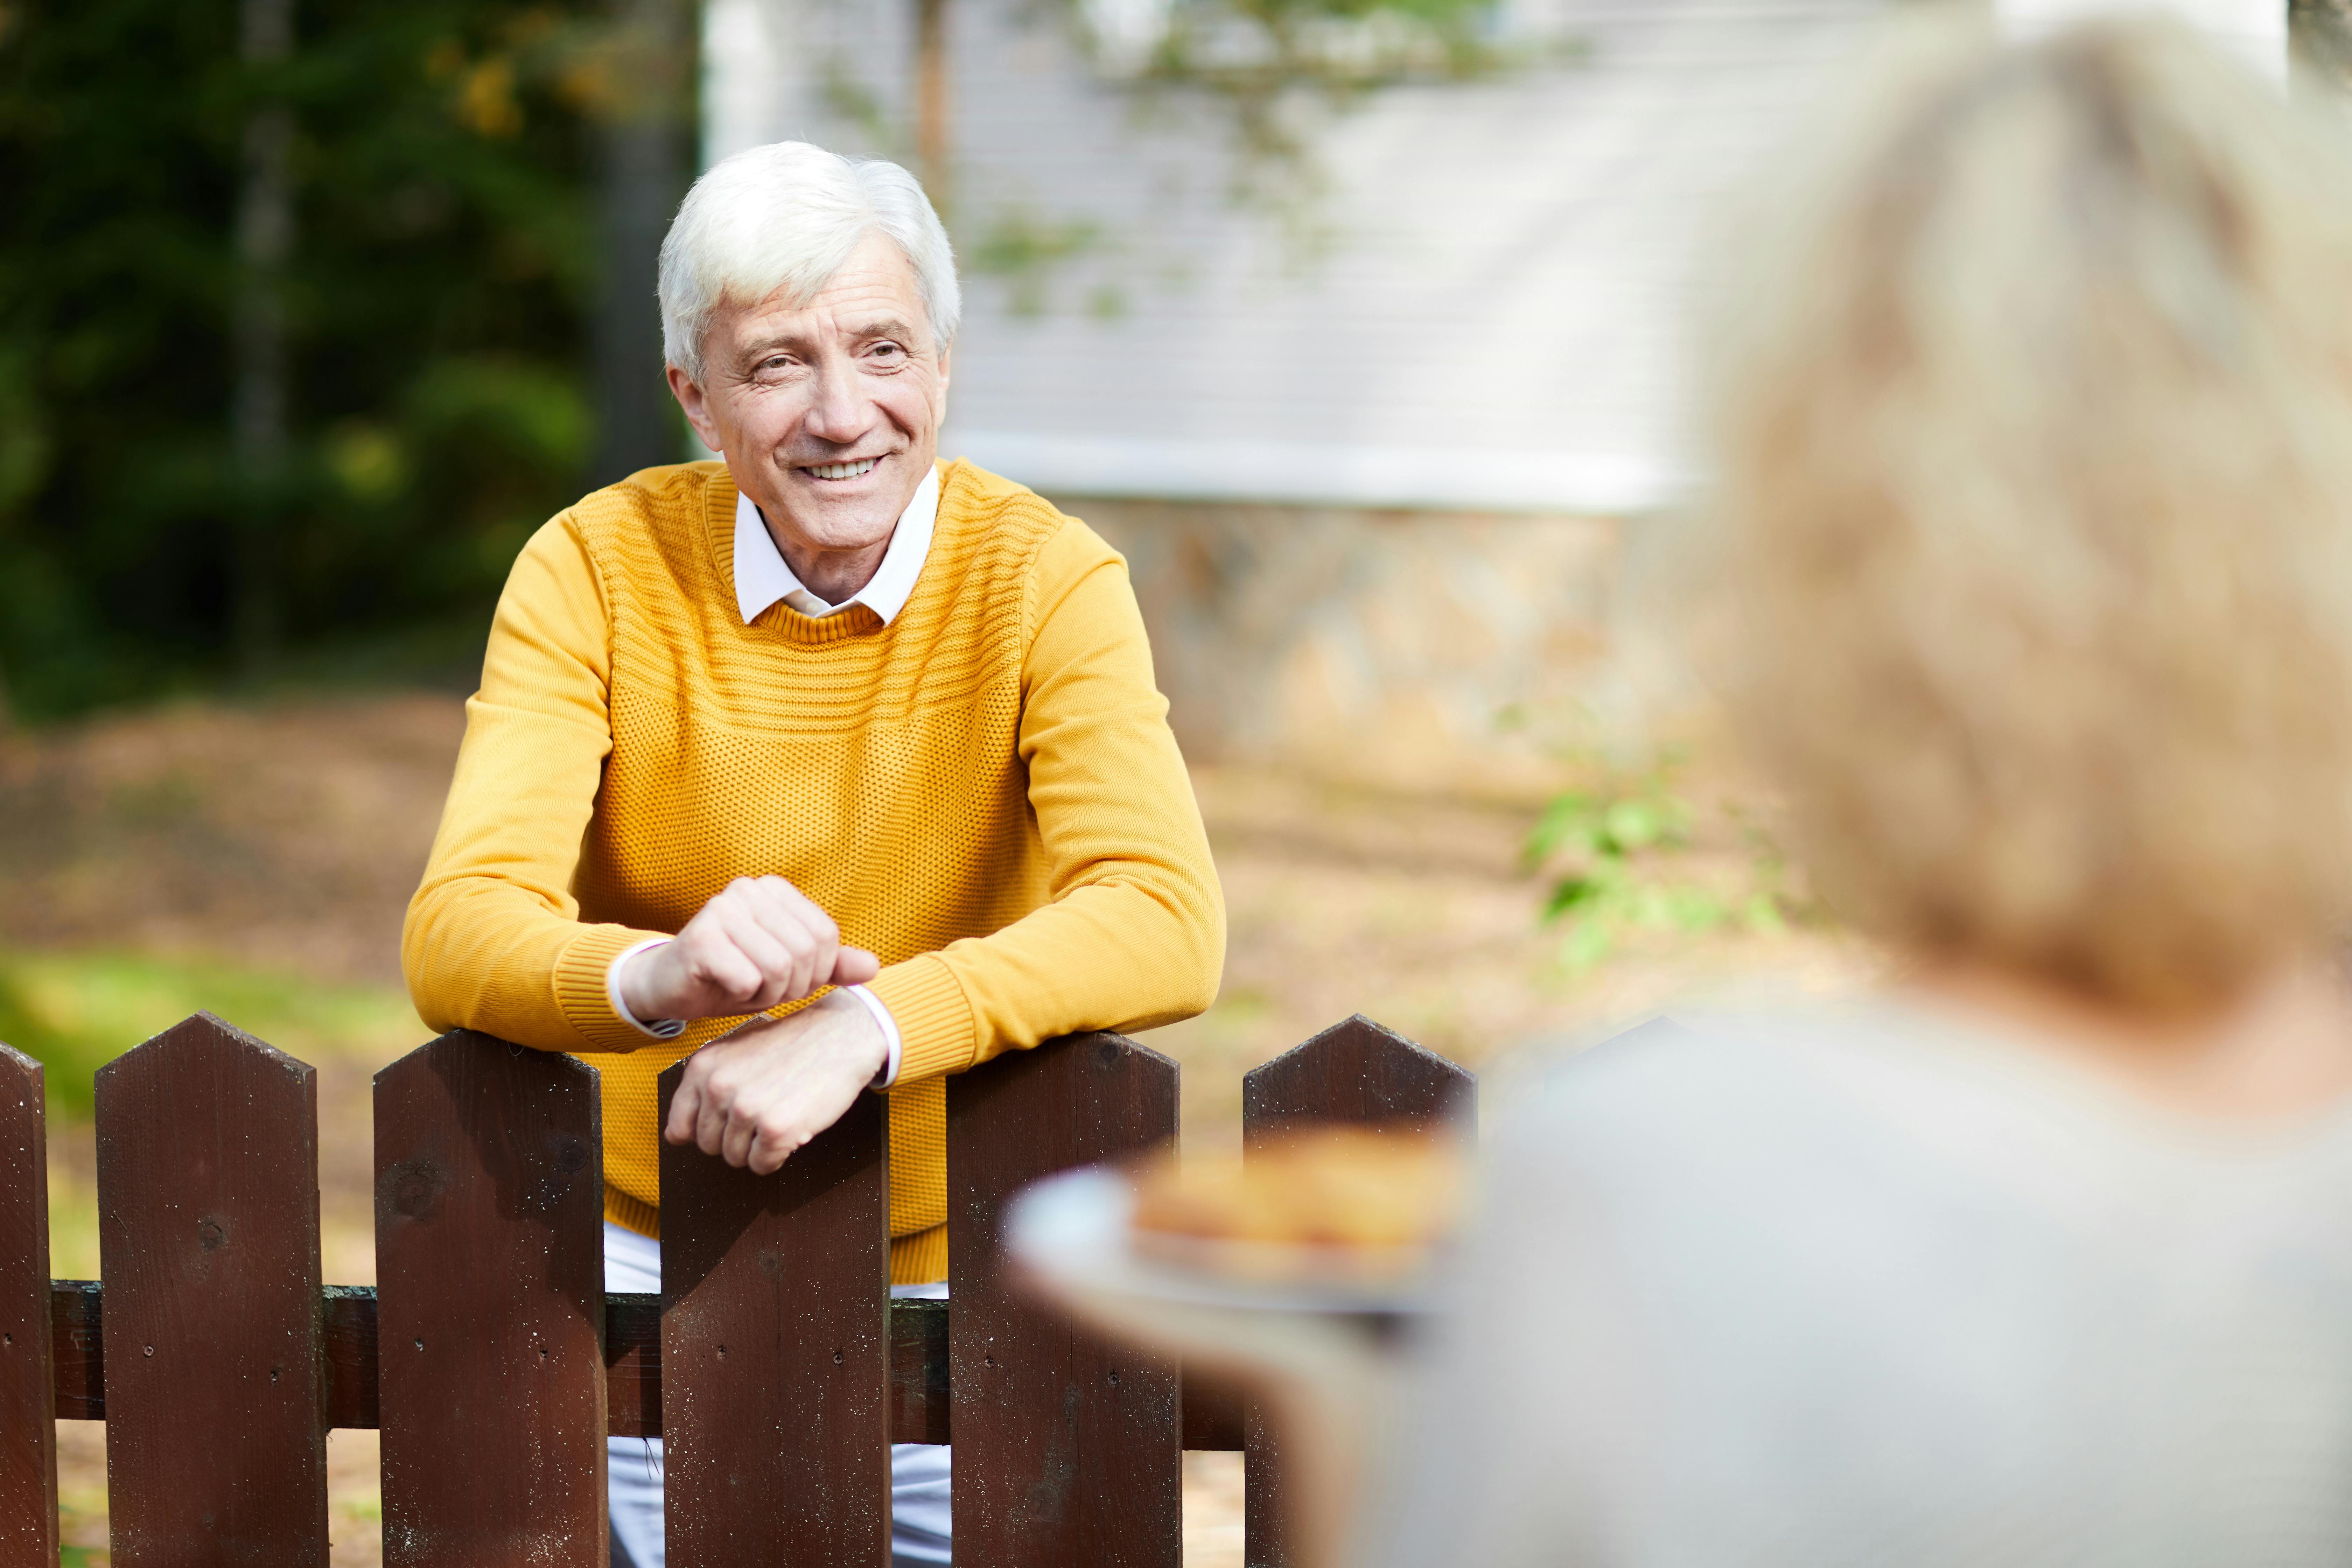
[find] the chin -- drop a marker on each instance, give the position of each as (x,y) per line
(850,523)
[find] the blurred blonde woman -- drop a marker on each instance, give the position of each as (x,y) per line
(2032,590)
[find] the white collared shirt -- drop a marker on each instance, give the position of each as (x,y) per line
(762,577)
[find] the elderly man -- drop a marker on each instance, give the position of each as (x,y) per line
(827,731)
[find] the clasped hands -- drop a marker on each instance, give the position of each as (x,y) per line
(756,1095)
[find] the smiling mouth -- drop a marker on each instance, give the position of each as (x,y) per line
(862,466)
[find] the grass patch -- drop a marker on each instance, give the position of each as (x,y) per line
(75,1012)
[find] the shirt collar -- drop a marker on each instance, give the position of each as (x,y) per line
(761,577)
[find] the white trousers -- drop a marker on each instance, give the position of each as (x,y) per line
(918,1471)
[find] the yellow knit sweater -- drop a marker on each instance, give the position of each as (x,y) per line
(984,791)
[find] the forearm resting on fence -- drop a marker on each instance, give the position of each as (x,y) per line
(1135,933)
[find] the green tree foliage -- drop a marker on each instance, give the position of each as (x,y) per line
(436,297)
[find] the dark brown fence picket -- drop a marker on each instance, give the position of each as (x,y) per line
(1355,1072)
(490,1311)
(28,1451)
(1067,1450)
(208,1240)
(775,1352)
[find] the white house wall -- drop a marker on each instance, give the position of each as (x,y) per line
(1495,324)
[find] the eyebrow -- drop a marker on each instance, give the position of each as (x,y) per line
(885,327)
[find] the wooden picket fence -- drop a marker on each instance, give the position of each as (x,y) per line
(773,1361)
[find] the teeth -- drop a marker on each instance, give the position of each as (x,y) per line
(842,470)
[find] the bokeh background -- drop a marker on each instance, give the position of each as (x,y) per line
(1357,324)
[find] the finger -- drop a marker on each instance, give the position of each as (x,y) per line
(854,966)
(785,907)
(811,945)
(711,1123)
(736,1147)
(719,967)
(805,913)
(685,1107)
(770,1151)
(771,959)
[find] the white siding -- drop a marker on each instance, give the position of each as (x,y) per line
(1497,324)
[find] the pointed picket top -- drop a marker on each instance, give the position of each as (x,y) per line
(29,1457)
(1355,1071)
(204,1036)
(208,1240)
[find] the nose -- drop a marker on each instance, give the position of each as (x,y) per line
(840,413)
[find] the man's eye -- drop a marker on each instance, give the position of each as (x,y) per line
(886,351)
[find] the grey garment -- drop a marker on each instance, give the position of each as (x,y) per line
(1858,1287)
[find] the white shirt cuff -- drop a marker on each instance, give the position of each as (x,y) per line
(890,1073)
(660,1028)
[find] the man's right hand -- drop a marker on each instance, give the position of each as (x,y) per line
(759,942)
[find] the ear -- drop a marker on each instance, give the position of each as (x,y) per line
(696,407)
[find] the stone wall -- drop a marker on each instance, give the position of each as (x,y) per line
(1414,650)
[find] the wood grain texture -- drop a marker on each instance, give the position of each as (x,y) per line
(491,1310)
(632,1364)
(1068,1452)
(78,1313)
(28,1448)
(919,1371)
(1354,1072)
(77,1349)
(1358,1072)
(918,1366)
(208,1240)
(775,1351)
(350,1314)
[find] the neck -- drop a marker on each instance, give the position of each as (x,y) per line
(2280,1048)
(831,575)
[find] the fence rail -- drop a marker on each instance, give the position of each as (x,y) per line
(775,1363)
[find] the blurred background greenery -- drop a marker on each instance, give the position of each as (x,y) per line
(300,332)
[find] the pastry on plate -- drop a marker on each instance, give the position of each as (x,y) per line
(1349,1202)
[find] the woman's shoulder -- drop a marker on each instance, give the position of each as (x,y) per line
(1896,1107)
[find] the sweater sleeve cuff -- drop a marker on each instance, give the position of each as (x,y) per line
(933,1018)
(582,988)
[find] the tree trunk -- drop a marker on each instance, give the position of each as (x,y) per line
(932,141)
(648,164)
(265,238)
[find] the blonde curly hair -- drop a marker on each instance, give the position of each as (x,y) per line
(2032,525)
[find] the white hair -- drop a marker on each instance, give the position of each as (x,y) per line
(786,217)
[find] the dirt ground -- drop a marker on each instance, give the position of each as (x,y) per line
(288,837)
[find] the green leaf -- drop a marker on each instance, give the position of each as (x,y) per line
(1586,944)
(1694,910)
(1633,824)
(1573,892)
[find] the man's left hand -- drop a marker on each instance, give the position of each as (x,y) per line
(755,1096)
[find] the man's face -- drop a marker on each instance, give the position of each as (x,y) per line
(828,413)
